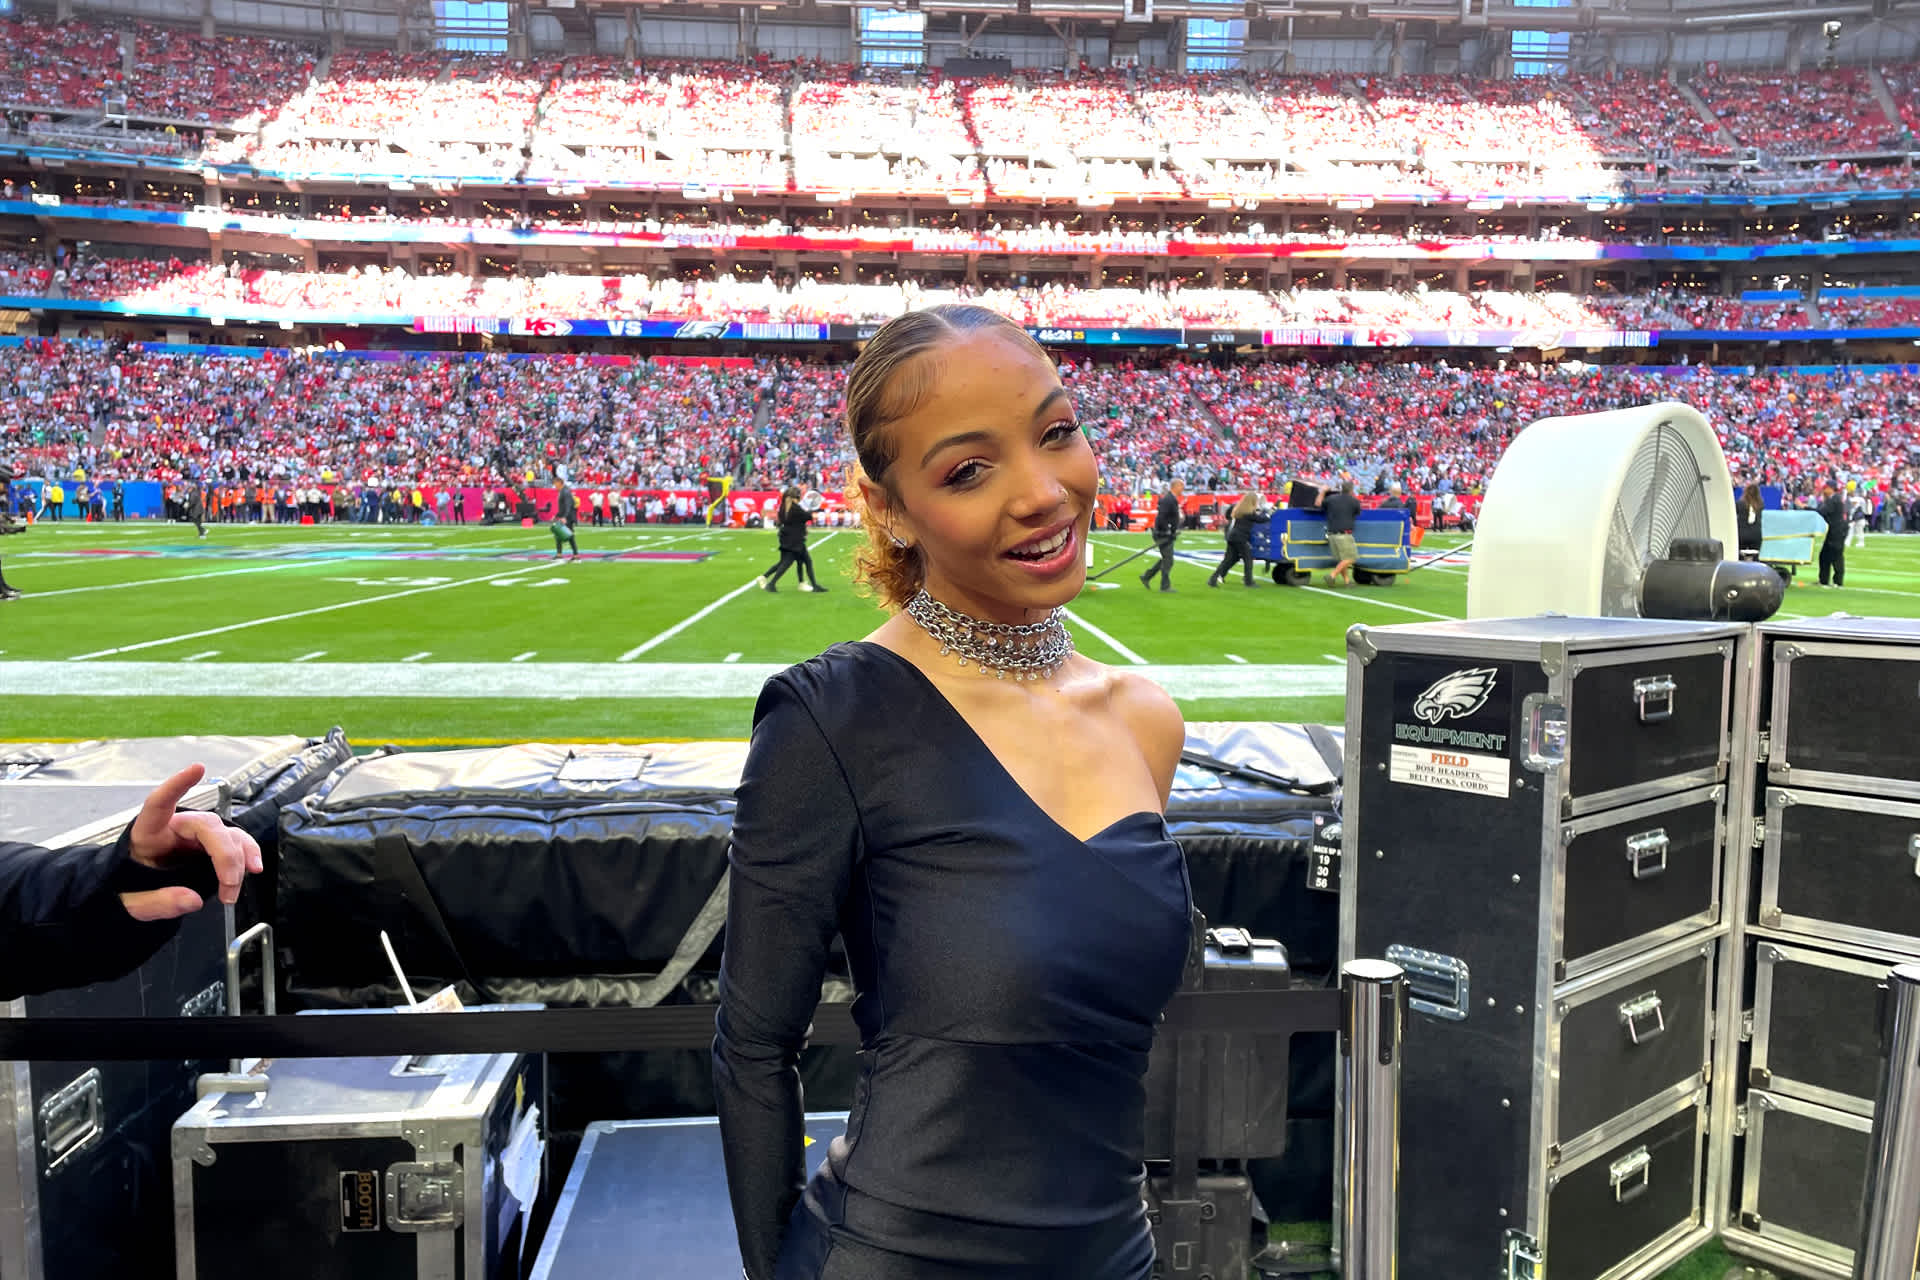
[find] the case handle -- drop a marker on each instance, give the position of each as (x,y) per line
(1629,1175)
(263,934)
(1647,853)
(1635,1013)
(1653,695)
(72,1120)
(1913,850)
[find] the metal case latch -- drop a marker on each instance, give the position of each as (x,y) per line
(1636,1014)
(1523,1257)
(1629,1174)
(1647,853)
(71,1120)
(428,1196)
(1436,984)
(1546,723)
(1654,696)
(1913,848)
(1230,941)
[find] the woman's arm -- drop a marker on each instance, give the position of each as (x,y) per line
(796,836)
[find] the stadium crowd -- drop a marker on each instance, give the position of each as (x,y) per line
(318,418)
(170,285)
(813,126)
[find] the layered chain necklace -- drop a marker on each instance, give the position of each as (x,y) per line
(1030,652)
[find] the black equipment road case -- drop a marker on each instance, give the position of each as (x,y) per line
(1833,883)
(1255,808)
(1815,1026)
(84,1189)
(648,1198)
(412,1168)
(1842,869)
(82,1185)
(1532,830)
(1214,1102)
(1804,1180)
(1843,699)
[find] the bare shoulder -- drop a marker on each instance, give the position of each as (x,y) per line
(1153,717)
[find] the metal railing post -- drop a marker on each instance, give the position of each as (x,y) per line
(1372,1015)
(1890,1231)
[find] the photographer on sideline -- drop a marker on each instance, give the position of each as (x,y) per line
(96,912)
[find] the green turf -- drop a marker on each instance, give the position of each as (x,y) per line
(410,635)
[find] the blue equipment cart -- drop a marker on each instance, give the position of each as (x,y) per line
(1294,541)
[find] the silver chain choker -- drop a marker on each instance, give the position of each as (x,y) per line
(1029,652)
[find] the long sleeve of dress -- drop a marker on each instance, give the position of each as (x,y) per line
(61,922)
(796,836)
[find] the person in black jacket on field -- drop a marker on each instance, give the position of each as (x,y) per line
(792,519)
(93,913)
(1749,513)
(1833,552)
(566,516)
(1239,540)
(1166,527)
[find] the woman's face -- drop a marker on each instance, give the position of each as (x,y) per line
(992,480)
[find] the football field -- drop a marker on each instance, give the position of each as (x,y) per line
(456,635)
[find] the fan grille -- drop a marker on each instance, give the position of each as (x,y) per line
(1662,497)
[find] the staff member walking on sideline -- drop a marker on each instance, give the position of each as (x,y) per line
(1833,552)
(1342,510)
(792,519)
(1166,527)
(566,517)
(1239,540)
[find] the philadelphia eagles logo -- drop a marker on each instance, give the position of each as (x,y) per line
(1456,696)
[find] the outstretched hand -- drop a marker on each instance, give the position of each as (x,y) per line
(161,837)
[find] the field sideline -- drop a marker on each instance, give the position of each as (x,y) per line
(446,636)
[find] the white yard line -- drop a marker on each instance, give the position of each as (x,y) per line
(298,613)
(153,582)
(425,653)
(522,657)
(1356,598)
(210,653)
(309,657)
(686,622)
(1334,657)
(1234,657)
(1104,638)
(531,680)
(732,657)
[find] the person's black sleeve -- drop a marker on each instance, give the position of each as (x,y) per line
(796,836)
(61,920)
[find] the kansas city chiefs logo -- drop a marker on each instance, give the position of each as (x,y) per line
(1456,696)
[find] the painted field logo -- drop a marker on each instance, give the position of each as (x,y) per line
(1456,696)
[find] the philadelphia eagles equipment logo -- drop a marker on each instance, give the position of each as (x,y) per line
(1455,696)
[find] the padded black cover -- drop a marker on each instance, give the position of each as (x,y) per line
(531,861)
(264,773)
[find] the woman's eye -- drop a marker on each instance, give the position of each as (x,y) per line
(1060,431)
(964,474)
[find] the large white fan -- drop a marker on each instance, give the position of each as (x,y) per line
(1614,515)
